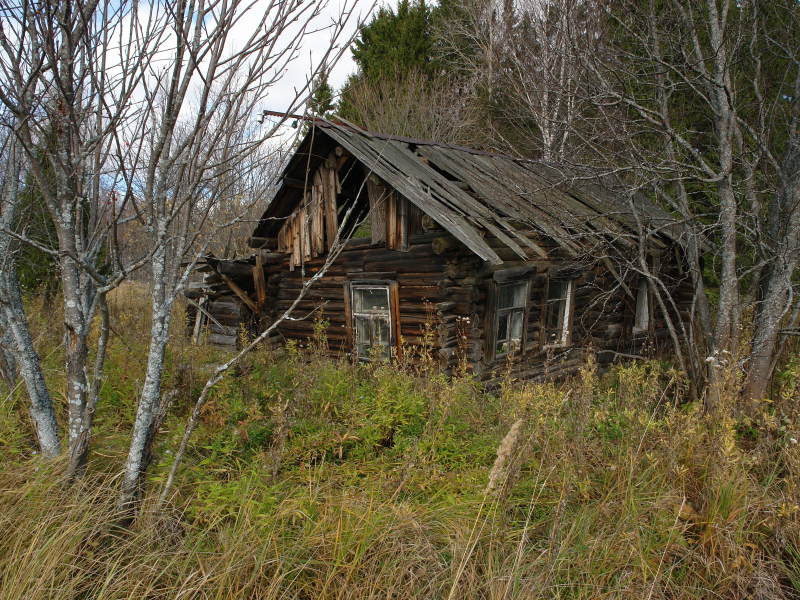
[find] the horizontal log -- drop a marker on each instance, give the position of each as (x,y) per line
(226,320)
(305,329)
(224,330)
(222,340)
(230,267)
(417,321)
(325,282)
(417,330)
(429,223)
(418,294)
(398,267)
(381,254)
(419,279)
(262,243)
(319,293)
(445,244)
(222,307)
(421,239)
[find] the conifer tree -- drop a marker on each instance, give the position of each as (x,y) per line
(321,101)
(396,41)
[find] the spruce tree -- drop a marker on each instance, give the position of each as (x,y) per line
(396,42)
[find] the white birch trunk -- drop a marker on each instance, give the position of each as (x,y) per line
(132,483)
(15,324)
(30,369)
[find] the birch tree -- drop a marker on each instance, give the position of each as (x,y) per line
(520,55)
(16,335)
(68,74)
(700,100)
(200,106)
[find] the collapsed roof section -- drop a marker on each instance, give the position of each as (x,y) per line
(472,193)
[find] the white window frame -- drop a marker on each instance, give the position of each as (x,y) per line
(642,315)
(372,317)
(565,318)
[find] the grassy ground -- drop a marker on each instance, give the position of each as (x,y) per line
(309,478)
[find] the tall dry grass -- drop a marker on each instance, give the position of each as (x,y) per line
(310,478)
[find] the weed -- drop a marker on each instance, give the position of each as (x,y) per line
(310,477)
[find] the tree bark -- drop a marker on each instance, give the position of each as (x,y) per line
(30,369)
(775,303)
(79,451)
(136,464)
(15,324)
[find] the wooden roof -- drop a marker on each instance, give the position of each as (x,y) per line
(471,193)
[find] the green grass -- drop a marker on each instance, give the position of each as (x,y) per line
(311,478)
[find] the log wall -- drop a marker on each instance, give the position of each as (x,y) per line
(443,290)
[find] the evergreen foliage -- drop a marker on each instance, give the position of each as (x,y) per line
(397,41)
(37,270)
(321,101)
(395,54)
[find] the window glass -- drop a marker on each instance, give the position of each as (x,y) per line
(371,320)
(371,299)
(380,343)
(502,327)
(516,325)
(362,336)
(555,321)
(512,295)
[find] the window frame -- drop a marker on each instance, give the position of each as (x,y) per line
(565,317)
(352,317)
(523,274)
(524,309)
(642,296)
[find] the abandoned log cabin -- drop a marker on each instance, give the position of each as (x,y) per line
(496,263)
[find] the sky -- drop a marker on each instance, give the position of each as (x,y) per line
(314,47)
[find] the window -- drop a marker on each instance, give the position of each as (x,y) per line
(371,322)
(556,313)
(512,301)
(642,318)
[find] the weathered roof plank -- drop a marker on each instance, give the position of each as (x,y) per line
(565,204)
